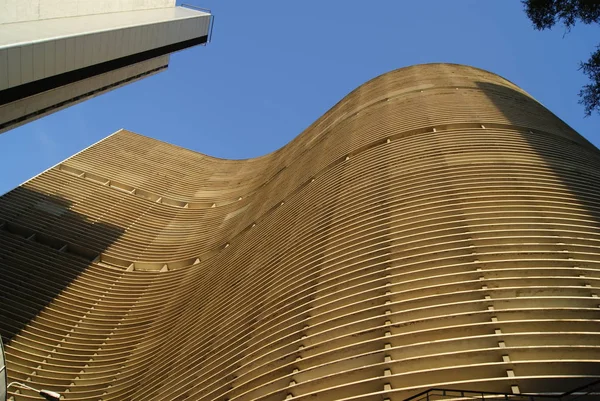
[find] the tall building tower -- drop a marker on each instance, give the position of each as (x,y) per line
(55,53)
(437,228)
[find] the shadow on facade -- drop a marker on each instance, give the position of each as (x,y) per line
(44,246)
(573,160)
(571,181)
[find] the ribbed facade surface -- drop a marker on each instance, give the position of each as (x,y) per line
(438,227)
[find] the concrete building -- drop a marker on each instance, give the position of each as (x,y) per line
(55,53)
(437,228)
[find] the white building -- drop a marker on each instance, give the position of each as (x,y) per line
(56,53)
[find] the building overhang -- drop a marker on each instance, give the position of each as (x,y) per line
(39,56)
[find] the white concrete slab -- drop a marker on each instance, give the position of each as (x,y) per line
(29,32)
(31,10)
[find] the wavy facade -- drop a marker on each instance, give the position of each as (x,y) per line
(438,227)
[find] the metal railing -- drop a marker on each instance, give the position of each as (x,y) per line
(437,394)
(205,10)
(590,391)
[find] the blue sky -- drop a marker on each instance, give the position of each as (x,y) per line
(275,66)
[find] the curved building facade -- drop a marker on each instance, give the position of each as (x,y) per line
(438,227)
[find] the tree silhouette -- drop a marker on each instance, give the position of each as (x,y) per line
(546,13)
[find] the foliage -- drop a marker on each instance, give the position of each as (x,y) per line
(590,94)
(546,13)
